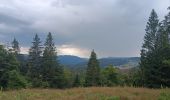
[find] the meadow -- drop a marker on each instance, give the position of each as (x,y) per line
(92,93)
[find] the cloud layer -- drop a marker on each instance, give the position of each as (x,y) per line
(111,27)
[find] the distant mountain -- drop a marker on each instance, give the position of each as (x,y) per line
(78,62)
(22,57)
(63,59)
(122,62)
(71,60)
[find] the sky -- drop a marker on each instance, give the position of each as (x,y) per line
(113,28)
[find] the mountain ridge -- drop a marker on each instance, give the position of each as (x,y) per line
(75,61)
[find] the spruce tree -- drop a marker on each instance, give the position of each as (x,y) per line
(93,71)
(166,22)
(154,65)
(163,55)
(35,61)
(151,31)
(3,67)
(161,58)
(15,46)
(10,77)
(16,51)
(53,73)
(148,49)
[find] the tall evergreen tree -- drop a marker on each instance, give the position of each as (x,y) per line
(162,39)
(155,64)
(166,22)
(163,49)
(148,49)
(15,46)
(34,62)
(53,73)
(151,31)
(93,71)
(10,77)
(16,51)
(3,67)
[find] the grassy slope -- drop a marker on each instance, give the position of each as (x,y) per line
(94,93)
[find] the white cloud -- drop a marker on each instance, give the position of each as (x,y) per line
(24,50)
(65,50)
(72,50)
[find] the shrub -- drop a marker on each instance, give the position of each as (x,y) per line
(15,80)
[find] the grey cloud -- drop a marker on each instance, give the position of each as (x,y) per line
(11,21)
(111,27)
(74,2)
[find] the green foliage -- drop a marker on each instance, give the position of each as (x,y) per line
(58,80)
(166,62)
(148,47)
(110,76)
(52,71)
(101,96)
(93,71)
(132,78)
(34,63)
(15,80)
(164,96)
(10,77)
(154,67)
(68,78)
(76,81)
(151,31)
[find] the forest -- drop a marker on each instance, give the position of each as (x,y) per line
(42,69)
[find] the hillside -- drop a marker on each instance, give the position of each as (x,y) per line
(121,62)
(77,62)
(93,93)
(69,60)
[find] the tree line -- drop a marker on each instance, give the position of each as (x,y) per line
(155,53)
(40,70)
(43,70)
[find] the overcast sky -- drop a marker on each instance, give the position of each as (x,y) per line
(113,28)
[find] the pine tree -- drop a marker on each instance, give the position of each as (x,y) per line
(10,77)
(163,55)
(15,46)
(34,62)
(148,49)
(3,67)
(155,56)
(93,71)
(151,31)
(162,39)
(166,22)
(53,73)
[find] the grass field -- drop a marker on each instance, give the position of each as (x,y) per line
(93,93)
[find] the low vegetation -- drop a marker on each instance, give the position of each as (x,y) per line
(93,93)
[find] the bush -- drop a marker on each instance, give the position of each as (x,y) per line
(15,80)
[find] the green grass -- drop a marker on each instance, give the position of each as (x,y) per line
(93,93)
(164,96)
